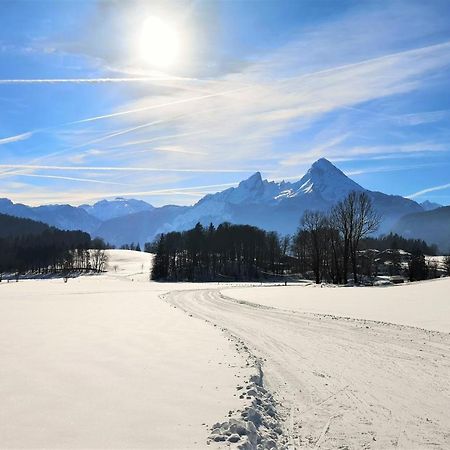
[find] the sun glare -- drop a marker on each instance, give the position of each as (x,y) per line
(159,42)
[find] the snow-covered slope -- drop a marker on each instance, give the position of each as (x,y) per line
(323,180)
(252,190)
(109,209)
(129,264)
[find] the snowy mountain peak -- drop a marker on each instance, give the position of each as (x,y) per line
(252,190)
(324,164)
(429,206)
(109,209)
(324,168)
(325,180)
(5,202)
(252,182)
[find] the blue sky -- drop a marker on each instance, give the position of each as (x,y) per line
(266,86)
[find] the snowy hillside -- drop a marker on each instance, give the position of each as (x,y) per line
(129,264)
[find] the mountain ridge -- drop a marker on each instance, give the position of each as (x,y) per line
(431,226)
(256,201)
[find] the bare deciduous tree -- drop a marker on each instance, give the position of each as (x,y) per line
(355,218)
(99,260)
(315,224)
(447,264)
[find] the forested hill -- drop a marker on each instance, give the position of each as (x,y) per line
(30,246)
(11,227)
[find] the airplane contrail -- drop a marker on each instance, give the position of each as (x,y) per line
(159,105)
(16,138)
(60,177)
(90,80)
(430,189)
(121,169)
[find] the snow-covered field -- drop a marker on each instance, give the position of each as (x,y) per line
(423,304)
(102,362)
(115,361)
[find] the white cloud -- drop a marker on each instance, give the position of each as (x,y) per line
(85,80)
(121,169)
(247,117)
(428,190)
(17,138)
(59,177)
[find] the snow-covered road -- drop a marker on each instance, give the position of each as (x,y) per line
(342,383)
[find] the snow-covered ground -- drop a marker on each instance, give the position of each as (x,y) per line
(102,362)
(115,361)
(340,383)
(423,304)
(129,265)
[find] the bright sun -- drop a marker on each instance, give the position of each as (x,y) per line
(159,42)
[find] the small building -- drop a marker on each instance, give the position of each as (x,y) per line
(396,279)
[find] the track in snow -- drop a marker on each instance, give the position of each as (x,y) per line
(343,383)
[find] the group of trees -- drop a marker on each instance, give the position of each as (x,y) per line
(340,244)
(337,246)
(29,246)
(421,269)
(447,265)
(328,243)
(132,246)
(228,252)
(394,241)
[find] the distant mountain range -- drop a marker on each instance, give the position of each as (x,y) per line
(431,226)
(110,209)
(429,206)
(267,204)
(64,217)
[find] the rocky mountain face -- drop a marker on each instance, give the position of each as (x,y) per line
(280,206)
(270,205)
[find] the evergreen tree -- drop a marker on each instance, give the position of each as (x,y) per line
(418,269)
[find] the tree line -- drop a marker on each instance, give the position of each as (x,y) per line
(30,246)
(397,242)
(331,247)
(228,252)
